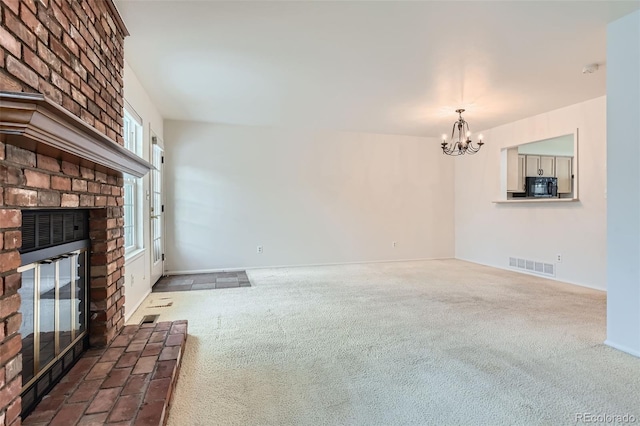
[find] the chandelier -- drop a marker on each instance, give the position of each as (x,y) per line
(463,144)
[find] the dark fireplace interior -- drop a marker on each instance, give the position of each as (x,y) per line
(55,275)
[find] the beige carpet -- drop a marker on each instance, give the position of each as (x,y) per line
(432,342)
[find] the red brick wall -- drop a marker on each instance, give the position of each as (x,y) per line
(71,51)
(32,180)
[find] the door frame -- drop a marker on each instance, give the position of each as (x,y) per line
(156,264)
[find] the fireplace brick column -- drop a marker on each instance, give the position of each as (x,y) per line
(107,273)
(72,51)
(10,318)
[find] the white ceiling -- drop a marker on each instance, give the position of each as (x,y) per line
(384,67)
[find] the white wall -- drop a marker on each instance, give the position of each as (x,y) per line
(623,204)
(307,197)
(138,266)
(489,233)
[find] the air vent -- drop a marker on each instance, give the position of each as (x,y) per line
(28,231)
(532,266)
(149,319)
(57,228)
(68,226)
(46,228)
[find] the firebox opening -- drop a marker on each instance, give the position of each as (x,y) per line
(55,271)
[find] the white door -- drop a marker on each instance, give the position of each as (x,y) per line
(157,211)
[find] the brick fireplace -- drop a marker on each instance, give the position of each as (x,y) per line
(61,68)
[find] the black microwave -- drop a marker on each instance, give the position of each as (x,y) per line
(542,187)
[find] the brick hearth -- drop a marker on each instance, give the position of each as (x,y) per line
(130,382)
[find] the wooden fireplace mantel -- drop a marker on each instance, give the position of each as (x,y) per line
(33,122)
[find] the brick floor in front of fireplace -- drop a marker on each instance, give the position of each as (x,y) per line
(214,280)
(130,382)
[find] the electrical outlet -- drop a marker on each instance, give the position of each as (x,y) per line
(259,249)
(558,258)
(394,244)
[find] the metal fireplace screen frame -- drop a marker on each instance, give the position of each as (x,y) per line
(54,293)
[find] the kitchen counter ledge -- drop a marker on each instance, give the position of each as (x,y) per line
(537,200)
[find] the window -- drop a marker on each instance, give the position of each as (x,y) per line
(130,187)
(132,199)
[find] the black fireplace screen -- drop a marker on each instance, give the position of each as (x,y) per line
(54,269)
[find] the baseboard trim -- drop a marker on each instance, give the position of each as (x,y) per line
(248,268)
(622,348)
(128,314)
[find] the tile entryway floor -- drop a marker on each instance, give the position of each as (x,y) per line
(210,281)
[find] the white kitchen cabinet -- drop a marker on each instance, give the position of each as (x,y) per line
(564,174)
(515,171)
(547,165)
(540,166)
(522,179)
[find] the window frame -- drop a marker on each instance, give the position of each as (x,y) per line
(133,137)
